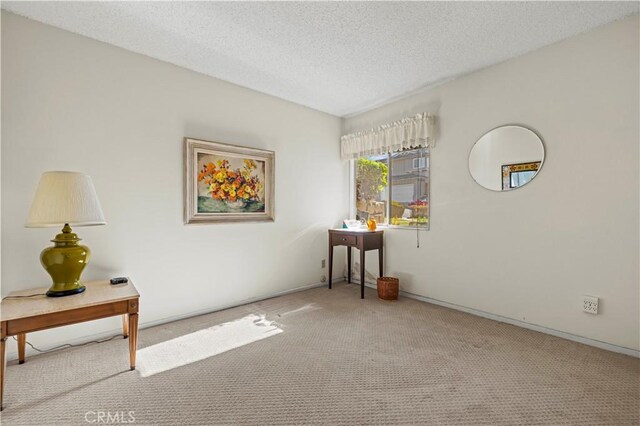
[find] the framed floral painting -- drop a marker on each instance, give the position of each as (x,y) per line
(227,183)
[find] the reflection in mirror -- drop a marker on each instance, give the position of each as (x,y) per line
(515,175)
(506,158)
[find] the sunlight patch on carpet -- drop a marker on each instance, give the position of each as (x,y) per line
(203,344)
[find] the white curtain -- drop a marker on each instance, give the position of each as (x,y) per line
(411,132)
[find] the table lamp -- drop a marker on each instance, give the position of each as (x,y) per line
(64,199)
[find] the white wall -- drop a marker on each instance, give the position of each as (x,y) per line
(72,103)
(531,254)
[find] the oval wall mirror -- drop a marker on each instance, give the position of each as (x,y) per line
(506,158)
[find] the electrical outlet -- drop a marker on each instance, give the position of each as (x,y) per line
(323,263)
(590,305)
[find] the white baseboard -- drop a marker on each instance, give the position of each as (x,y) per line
(13,355)
(535,327)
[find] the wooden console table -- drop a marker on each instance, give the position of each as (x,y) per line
(22,315)
(362,240)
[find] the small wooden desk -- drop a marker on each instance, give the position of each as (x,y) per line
(362,240)
(100,300)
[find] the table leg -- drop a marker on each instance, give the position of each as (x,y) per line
(349,265)
(330,262)
(22,340)
(380,262)
(2,348)
(125,325)
(133,339)
(362,270)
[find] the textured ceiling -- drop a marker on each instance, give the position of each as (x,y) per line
(337,57)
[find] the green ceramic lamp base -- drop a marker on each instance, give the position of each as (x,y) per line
(65,262)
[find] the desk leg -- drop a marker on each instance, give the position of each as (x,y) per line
(362,270)
(2,347)
(22,340)
(349,265)
(330,263)
(133,339)
(380,262)
(125,325)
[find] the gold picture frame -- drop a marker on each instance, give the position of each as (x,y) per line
(509,169)
(227,183)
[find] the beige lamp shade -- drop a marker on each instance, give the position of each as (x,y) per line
(65,197)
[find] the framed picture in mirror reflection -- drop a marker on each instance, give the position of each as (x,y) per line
(517,175)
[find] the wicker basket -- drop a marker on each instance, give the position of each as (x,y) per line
(388,288)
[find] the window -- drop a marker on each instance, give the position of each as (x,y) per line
(393,188)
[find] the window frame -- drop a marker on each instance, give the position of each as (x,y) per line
(388,225)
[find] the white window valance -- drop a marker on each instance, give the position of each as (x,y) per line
(411,132)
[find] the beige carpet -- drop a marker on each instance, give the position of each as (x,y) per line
(338,360)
